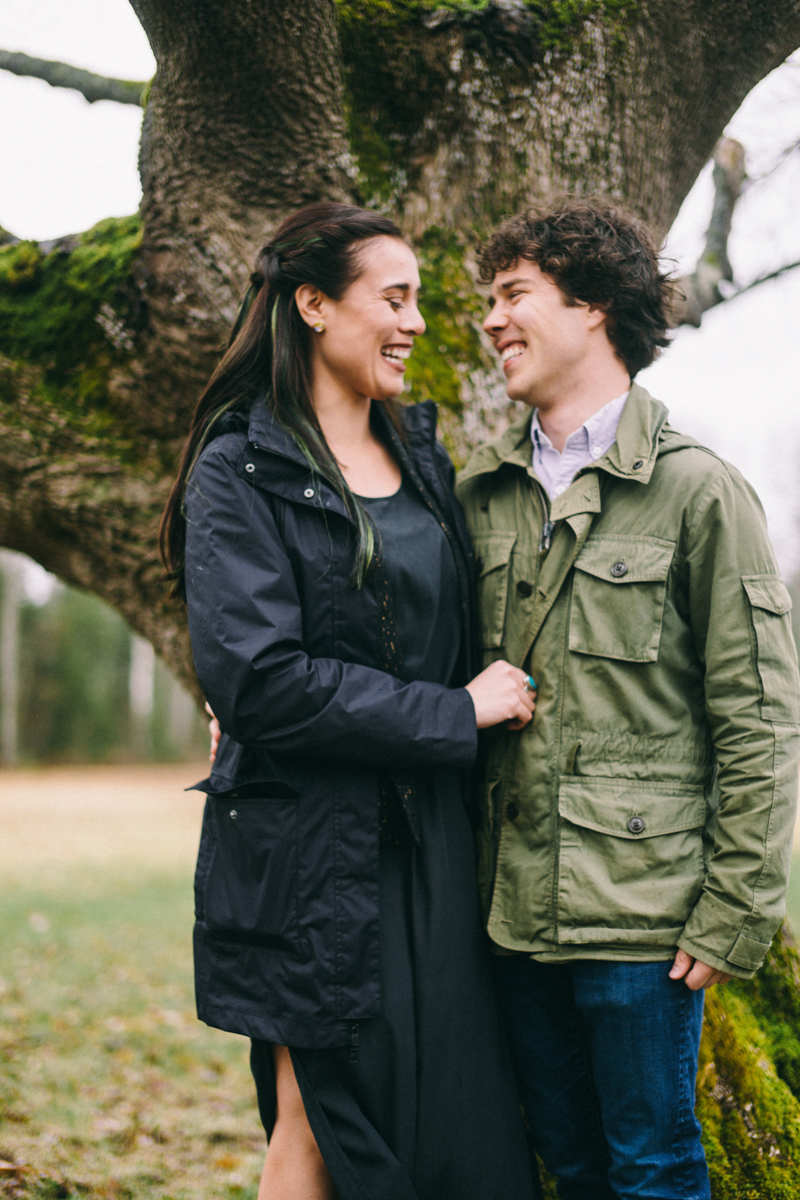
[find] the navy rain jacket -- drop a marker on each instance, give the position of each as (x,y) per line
(286,889)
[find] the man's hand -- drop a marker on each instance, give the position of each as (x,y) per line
(696,974)
(214,731)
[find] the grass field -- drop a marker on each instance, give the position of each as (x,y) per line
(109,1085)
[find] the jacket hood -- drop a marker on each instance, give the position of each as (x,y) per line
(265,432)
(642,434)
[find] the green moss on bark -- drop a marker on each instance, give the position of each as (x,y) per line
(73,313)
(451,345)
(415,70)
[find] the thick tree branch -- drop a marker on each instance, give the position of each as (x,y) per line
(244,122)
(696,293)
(92,87)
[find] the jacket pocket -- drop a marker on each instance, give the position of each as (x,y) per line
(631,858)
(493,556)
(618,593)
(770,605)
(250,892)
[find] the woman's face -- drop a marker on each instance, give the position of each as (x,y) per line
(370,332)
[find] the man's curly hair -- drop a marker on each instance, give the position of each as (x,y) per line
(598,253)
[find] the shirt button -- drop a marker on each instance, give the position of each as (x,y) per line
(524,588)
(560,489)
(249,468)
(619,569)
(512,812)
(308,493)
(234,814)
(597,451)
(636,824)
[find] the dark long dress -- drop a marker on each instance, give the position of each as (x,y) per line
(421,1105)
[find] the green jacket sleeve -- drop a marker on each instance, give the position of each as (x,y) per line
(739,616)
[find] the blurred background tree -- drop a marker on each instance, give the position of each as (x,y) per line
(77,686)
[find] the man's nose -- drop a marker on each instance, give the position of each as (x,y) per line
(495,321)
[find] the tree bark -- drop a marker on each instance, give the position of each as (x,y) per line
(92,87)
(447,116)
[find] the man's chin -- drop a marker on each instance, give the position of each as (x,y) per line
(518,390)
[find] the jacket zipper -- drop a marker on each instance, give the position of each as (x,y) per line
(547,526)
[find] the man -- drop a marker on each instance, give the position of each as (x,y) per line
(635,837)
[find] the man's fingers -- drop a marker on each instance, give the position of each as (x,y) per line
(682,965)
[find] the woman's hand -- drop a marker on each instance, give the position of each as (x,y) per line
(214,731)
(502,693)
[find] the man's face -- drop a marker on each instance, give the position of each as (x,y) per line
(542,341)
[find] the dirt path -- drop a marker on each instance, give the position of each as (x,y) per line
(100,814)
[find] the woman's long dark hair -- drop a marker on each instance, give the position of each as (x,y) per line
(269,355)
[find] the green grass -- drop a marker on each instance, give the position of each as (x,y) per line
(109,1085)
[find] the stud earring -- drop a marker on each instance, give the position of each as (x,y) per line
(319,327)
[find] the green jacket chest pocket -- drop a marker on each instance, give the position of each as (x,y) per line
(770,606)
(493,557)
(618,594)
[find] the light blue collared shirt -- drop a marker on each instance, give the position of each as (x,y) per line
(596,435)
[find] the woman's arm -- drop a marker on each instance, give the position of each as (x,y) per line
(246,628)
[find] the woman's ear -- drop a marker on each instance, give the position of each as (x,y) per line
(309,301)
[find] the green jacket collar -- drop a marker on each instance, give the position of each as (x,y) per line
(632,456)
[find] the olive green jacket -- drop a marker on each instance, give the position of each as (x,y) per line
(650,803)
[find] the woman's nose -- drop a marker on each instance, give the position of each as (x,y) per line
(416,323)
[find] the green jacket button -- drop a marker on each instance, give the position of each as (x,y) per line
(619,569)
(524,588)
(512,812)
(636,824)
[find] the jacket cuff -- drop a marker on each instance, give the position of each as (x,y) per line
(714,934)
(713,960)
(466,729)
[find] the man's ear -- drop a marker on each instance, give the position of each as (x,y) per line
(310,301)
(596,316)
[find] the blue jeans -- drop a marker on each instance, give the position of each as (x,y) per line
(606,1059)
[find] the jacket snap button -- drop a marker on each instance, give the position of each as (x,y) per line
(249,468)
(637,466)
(234,814)
(308,493)
(636,824)
(524,588)
(512,812)
(619,569)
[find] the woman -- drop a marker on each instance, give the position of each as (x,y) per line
(328,580)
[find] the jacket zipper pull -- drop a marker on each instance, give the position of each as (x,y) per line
(547,533)
(353,1055)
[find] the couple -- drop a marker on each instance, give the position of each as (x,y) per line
(633,837)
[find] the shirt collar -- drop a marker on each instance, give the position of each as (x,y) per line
(598,431)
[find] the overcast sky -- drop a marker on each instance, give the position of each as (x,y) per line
(734,383)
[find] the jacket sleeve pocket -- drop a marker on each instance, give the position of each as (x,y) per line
(493,558)
(631,859)
(618,594)
(770,605)
(250,892)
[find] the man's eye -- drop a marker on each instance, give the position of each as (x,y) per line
(396,304)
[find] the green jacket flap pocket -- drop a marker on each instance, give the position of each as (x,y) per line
(768,592)
(493,556)
(627,808)
(626,559)
(492,550)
